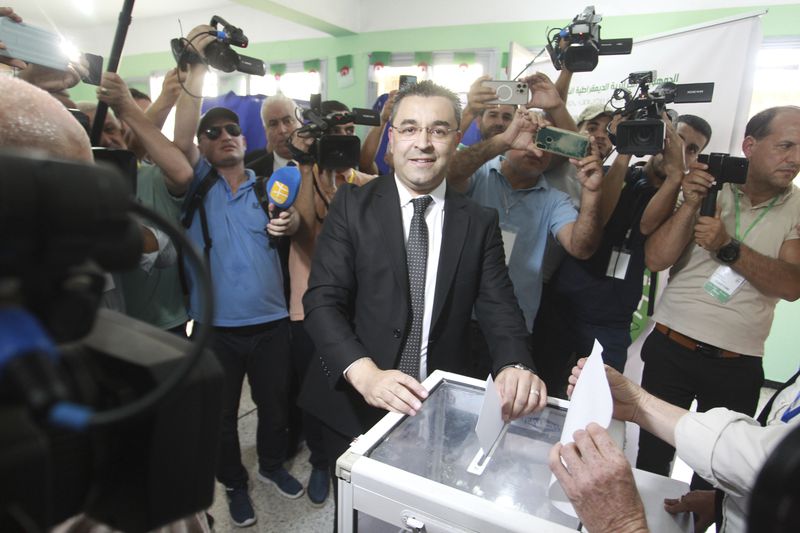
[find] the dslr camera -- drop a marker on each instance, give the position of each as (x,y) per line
(332,151)
(643,132)
(577,46)
(219,54)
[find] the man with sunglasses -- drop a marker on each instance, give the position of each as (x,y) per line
(250,319)
(399,265)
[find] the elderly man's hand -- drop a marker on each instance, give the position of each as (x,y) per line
(628,396)
(114,91)
(599,483)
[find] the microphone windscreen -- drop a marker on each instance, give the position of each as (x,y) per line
(283,185)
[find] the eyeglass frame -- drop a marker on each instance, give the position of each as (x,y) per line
(420,129)
(214,132)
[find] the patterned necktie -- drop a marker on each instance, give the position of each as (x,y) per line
(417,258)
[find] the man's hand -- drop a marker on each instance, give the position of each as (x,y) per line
(479,94)
(710,232)
(114,91)
(544,94)
(200,37)
(285,224)
(696,183)
(698,502)
(590,168)
(628,396)
(674,161)
(599,483)
(521,392)
(171,86)
(520,133)
(391,390)
(13,62)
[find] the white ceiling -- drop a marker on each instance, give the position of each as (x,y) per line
(91,23)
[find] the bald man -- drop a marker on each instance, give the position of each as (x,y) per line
(32,120)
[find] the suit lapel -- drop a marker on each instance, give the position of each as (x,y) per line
(454,234)
(390,219)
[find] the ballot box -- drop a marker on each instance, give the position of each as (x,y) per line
(411,473)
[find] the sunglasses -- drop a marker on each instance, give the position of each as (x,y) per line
(214,132)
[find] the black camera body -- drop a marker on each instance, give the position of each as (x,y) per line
(644,130)
(578,46)
(330,151)
(726,169)
(219,54)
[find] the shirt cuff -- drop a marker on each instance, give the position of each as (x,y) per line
(697,435)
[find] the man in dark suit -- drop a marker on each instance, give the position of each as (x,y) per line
(280,117)
(365,308)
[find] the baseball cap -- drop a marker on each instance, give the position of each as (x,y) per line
(215,114)
(591,112)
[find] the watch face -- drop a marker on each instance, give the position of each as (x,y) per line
(729,252)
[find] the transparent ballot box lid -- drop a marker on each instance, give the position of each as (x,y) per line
(439,443)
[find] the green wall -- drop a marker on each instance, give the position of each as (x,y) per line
(782,352)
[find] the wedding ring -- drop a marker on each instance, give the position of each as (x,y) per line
(103,90)
(533,391)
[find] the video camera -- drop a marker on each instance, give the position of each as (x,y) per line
(644,130)
(577,46)
(331,151)
(219,54)
(99,413)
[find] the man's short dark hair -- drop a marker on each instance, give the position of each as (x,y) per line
(139,95)
(697,123)
(428,89)
(758,127)
(332,106)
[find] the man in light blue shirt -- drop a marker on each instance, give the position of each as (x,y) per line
(251,325)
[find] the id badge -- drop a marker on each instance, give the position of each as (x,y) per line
(618,263)
(509,238)
(723,283)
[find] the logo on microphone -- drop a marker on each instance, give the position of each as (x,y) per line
(279,192)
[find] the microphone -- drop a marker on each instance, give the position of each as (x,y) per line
(282,190)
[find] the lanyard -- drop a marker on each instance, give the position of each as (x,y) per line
(756,221)
(793,410)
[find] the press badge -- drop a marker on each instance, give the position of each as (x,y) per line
(509,237)
(723,283)
(618,263)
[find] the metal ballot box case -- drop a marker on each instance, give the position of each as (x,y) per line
(410,473)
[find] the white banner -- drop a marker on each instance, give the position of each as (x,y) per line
(722,52)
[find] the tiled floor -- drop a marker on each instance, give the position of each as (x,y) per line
(274,512)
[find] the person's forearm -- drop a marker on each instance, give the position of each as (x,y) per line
(187,112)
(612,187)
(561,118)
(667,243)
(370,147)
(661,205)
(771,276)
(588,230)
(159,110)
(467,116)
(172,162)
(466,162)
(658,417)
(562,83)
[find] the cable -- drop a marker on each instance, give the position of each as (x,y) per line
(190,43)
(195,352)
(529,64)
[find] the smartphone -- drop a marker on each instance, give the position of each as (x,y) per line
(562,142)
(406,79)
(94,66)
(32,44)
(509,92)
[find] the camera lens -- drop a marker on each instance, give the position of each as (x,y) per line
(643,136)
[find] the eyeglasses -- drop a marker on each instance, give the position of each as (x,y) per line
(437,133)
(214,132)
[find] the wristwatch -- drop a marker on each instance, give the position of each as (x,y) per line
(730,252)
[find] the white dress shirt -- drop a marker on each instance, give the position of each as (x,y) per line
(434,218)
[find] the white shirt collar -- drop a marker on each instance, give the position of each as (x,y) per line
(405,196)
(279,161)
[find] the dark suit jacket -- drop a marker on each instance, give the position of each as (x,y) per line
(260,162)
(357,303)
